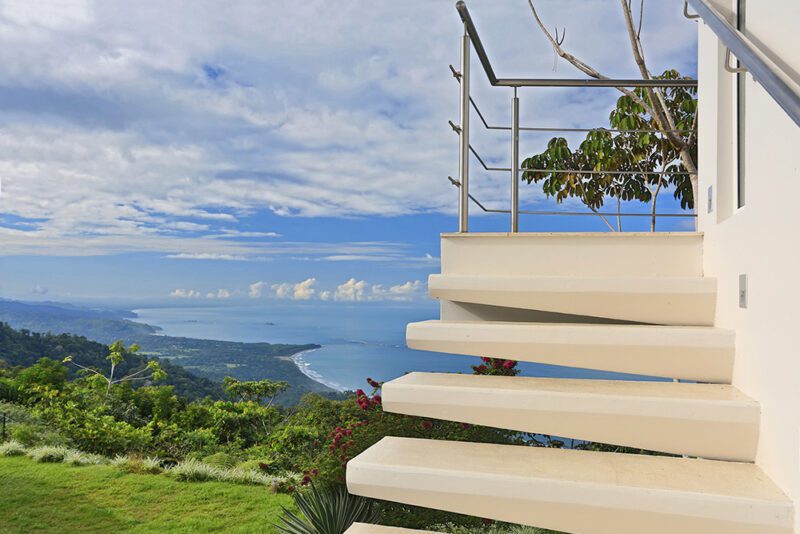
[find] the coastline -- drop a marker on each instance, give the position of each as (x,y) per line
(305,368)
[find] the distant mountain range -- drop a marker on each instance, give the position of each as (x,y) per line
(196,366)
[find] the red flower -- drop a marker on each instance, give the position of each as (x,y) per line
(427,425)
(360,393)
(480,369)
(373,383)
(306,481)
(509,364)
(377,399)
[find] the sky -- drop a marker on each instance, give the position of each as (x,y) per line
(197,152)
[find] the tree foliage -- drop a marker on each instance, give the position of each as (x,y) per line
(635,164)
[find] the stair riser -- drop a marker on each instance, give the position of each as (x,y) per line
(712,364)
(715,431)
(688,309)
(626,254)
(564,507)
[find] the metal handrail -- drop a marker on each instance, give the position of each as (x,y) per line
(483,208)
(471,37)
(552,82)
(748,55)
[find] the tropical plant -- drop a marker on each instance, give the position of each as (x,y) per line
(152,370)
(12,448)
(78,458)
(253,391)
(329,511)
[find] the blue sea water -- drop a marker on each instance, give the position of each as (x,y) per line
(358,340)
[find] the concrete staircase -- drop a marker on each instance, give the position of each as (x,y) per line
(628,303)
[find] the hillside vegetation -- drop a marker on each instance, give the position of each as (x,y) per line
(190,361)
(23,348)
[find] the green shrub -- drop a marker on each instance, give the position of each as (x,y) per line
(194,471)
(222,460)
(48,454)
(26,434)
(78,458)
(12,448)
(246,476)
(134,464)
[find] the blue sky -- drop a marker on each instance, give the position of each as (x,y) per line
(179,152)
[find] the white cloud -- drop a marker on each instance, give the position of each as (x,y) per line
(219,294)
(150,126)
(185,294)
(299,291)
(206,256)
(256,289)
(352,290)
(39,289)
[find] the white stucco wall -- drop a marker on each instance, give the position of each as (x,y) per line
(762,239)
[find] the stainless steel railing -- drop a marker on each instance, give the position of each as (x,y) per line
(471,39)
(737,43)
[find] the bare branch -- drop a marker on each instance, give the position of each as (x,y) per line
(583,66)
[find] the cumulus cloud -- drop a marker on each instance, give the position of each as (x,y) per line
(300,291)
(185,294)
(352,290)
(360,291)
(256,289)
(219,294)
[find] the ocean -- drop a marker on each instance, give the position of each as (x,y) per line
(359,340)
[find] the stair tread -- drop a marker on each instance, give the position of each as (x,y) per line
(704,420)
(678,391)
(652,333)
(657,284)
(674,300)
(701,353)
(572,490)
(724,479)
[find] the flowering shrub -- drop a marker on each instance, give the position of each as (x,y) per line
(497,367)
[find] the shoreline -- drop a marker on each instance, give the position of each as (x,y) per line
(304,367)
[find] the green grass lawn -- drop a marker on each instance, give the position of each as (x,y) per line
(54,498)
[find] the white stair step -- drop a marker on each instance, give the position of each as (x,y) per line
(573,254)
(573,491)
(656,300)
(691,353)
(707,420)
(364,528)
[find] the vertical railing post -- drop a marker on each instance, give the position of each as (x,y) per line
(463,152)
(515,162)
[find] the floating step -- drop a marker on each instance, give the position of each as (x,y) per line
(692,353)
(656,300)
(573,491)
(573,254)
(364,528)
(707,420)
